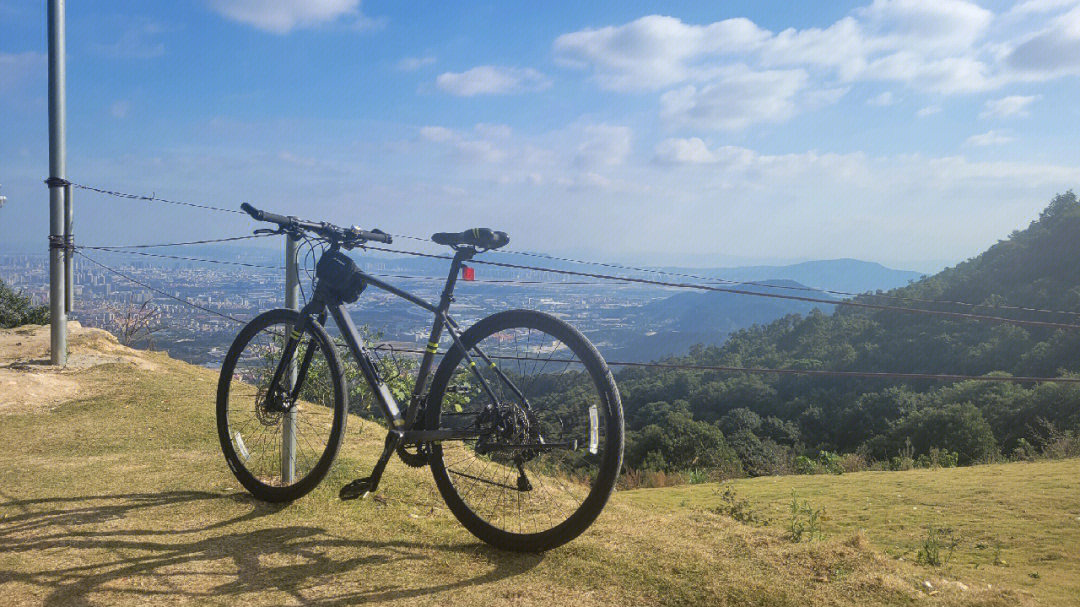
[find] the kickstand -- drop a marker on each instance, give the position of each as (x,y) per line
(361,487)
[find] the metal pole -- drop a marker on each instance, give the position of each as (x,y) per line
(57,175)
(69,253)
(288,426)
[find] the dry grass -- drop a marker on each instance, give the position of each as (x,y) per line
(1017,525)
(122,497)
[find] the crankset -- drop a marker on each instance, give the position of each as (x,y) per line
(417,458)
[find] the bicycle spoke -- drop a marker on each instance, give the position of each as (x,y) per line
(259,422)
(559,393)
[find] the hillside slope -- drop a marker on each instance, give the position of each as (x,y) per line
(851,275)
(770,420)
(120,496)
(673,324)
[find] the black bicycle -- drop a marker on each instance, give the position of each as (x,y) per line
(521,421)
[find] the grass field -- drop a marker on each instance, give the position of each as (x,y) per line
(120,496)
(1015,524)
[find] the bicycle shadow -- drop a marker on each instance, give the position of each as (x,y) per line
(77,555)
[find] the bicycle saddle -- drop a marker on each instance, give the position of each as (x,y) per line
(482,238)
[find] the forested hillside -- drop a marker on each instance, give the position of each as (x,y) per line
(683,420)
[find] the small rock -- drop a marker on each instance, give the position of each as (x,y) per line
(927,585)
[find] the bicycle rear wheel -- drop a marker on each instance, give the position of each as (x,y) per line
(552,436)
(277,447)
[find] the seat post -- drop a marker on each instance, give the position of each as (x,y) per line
(461,255)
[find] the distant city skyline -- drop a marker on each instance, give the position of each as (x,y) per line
(909,133)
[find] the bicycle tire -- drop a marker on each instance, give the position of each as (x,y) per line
(610,462)
(227,434)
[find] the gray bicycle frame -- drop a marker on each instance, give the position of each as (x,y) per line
(323,301)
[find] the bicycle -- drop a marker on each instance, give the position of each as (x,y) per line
(521,422)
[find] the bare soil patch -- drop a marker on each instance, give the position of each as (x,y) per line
(29,382)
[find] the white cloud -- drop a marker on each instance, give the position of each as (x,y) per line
(683,151)
(947,47)
(1013,105)
(988,138)
(492,80)
(1054,51)
(925,44)
(738,98)
(654,51)
(411,64)
(841,46)
(493,131)
(881,100)
(941,26)
(283,16)
(948,75)
(1030,7)
(604,145)
(468,149)
(437,134)
(929,110)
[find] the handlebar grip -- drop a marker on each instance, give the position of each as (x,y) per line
(258,215)
(376,235)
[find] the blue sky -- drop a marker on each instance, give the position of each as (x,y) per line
(907,132)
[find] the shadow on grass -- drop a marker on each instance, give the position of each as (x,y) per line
(83,550)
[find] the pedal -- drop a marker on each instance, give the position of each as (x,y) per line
(356,489)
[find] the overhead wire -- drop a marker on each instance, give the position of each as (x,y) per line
(659,271)
(158,291)
(661,365)
(627,279)
(702,287)
(773,371)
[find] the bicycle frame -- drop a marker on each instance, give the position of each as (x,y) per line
(401,423)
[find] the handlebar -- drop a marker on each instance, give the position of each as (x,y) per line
(328,230)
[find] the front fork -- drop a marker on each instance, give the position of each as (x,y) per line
(292,342)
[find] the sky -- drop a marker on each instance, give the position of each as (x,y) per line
(910,133)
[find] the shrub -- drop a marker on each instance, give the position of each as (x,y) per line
(853,462)
(16,309)
(805,465)
(737,508)
(805,521)
(697,476)
(905,460)
(938,546)
(830,462)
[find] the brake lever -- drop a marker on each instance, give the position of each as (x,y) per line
(268,231)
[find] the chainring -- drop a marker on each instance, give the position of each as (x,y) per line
(419,459)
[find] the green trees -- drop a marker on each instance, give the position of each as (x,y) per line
(673,440)
(766,420)
(957,427)
(16,309)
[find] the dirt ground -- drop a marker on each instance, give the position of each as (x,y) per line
(28,380)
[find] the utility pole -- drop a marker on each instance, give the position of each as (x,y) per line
(69,254)
(57,181)
(288,424)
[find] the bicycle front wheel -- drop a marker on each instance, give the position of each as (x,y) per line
(551,431)
(277,446)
